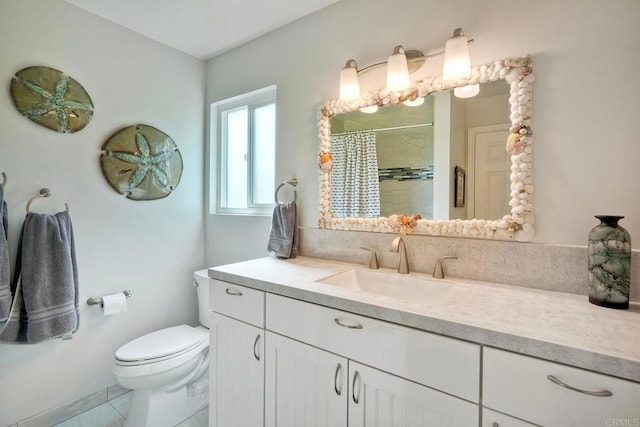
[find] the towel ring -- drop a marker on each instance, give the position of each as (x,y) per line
(44,192)
(4,179)
(292,182)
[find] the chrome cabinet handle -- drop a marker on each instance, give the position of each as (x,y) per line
(602,393)
(255,348)
(356,375)
(335,380)
(355,325)
(233,292)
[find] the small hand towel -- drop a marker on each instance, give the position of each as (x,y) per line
(46,296)
(283,237)
(5,284)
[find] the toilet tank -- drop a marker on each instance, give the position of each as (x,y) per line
(201,282)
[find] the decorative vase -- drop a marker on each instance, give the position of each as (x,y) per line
(609,263)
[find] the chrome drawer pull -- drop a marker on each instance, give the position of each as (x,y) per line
(335,380)
(233,292)
(356,375)
(344,325)
(603,393)
(255,348)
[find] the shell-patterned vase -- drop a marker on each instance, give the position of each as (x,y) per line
(609,263)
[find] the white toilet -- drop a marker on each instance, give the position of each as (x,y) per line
(168,369)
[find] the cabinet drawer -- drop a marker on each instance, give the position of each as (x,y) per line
(519,385)
(446,364)
(236,301)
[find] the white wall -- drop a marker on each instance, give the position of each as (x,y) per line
(148,247)
(585,96)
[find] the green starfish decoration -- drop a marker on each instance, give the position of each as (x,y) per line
(141,162)
(145,162)
(52,99)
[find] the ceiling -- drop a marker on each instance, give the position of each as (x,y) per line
(202,28)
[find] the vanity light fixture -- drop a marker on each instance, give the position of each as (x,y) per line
(457,64)
(401,63)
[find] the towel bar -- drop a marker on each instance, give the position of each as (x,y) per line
(292,182)
(44,192)
(98,300)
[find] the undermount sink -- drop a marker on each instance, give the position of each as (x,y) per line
(395,285)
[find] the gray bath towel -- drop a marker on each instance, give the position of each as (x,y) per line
(5,285)
(283,237)
(46,296)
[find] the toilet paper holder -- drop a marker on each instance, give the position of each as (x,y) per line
(99,300)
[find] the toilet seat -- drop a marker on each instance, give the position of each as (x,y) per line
(161,345)
(161,351)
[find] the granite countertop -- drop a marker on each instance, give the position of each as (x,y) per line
(556,326)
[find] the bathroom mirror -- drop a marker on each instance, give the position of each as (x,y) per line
(404,165)
(451,166)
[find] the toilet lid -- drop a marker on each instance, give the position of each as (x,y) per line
(162,343)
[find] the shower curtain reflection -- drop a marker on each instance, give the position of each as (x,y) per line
(355,175)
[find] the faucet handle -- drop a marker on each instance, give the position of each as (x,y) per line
(438,271)
(373,261)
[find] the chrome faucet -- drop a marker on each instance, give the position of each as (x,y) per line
(373,261)
(398,246)
(438,271)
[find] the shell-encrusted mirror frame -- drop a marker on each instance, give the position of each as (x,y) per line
(518,225)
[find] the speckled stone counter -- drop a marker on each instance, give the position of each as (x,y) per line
(556,326)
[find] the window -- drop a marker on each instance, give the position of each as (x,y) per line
(244,133)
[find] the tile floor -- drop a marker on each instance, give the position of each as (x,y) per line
(112,413)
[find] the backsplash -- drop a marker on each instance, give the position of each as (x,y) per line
(533,265)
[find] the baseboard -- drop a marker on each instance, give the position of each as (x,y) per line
(73,408)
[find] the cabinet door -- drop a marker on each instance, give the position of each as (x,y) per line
(377,398)
(236,373)
(305,386)
(496,419)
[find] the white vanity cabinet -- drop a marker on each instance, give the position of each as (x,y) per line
(326,367)
(236,352)
(551,394)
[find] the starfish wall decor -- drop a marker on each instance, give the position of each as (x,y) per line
(141,162)
(51,98)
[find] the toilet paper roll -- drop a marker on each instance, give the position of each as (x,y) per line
(114,304)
